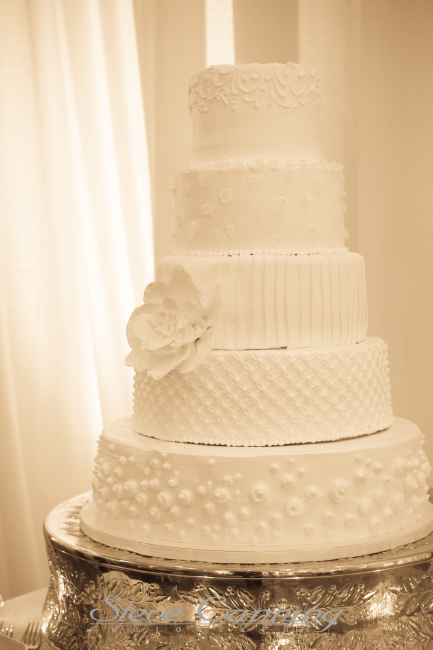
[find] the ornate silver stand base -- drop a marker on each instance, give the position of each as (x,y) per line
(105,598)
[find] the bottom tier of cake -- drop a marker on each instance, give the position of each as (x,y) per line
(310,501)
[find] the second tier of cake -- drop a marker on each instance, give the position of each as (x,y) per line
(269,397)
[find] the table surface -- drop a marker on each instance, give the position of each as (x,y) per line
(22,610)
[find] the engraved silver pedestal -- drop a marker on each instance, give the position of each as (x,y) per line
(374,602)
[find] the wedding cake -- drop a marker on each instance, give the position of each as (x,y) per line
(262,426)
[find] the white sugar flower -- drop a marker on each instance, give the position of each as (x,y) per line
(175,327)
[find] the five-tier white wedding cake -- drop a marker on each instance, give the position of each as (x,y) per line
(262,426)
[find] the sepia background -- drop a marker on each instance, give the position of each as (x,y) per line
(93,118)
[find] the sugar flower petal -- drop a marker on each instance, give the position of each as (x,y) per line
(175,327)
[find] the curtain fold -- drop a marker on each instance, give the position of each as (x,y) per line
(76,252)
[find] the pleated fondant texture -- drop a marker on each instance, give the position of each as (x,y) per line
(269,397)
(278,301)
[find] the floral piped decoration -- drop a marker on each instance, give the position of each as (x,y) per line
(175,327)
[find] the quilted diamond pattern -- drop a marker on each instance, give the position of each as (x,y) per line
(270,397)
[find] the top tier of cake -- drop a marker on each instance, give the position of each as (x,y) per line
(253,110)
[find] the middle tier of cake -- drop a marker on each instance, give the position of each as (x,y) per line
(278,301)
(269,397)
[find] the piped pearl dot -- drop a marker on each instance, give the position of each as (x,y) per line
(397,502)
(312,494)
(174,512)
(146,471)
(154,463)
(234,532)
(379,496)
(130,488)
(134,511)
(141,500)
(287,481)
(365,505)
(220,495)
(410,484)
(208,508)
(245,513)
(181,534)
(329,518)
(360,477)
(190,521)
(122,460)
(112,509)
(184,497)
(273,468)
(228,518)
(309,530)
(259,494)
(387,515)
(131,460)
(349,521)
(145,528)
(211,462)
(238,477)
(377,467)
(374,524)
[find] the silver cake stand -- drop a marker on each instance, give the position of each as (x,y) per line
(374,602)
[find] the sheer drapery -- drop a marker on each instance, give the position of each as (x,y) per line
(76,251)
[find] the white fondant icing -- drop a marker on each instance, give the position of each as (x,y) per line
(275,301)
(270,397)
(255,110)
(324,497)
(254,209)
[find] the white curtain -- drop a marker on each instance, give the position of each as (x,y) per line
(76,251)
